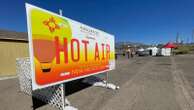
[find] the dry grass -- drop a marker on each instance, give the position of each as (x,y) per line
(184,49)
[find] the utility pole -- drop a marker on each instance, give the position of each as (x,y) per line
(177,38)
(188,40)
(192,37)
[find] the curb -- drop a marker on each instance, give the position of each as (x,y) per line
(6,78)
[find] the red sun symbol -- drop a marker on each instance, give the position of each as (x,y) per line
(51,24)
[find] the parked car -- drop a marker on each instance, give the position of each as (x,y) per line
(143,53)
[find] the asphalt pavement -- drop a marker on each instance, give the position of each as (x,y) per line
(146,83)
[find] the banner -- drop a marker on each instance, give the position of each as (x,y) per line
(62,49)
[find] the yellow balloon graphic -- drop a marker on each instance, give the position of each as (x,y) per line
(45,27)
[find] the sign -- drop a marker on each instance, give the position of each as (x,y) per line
(62,49)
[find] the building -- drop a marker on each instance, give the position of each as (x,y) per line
(12,45)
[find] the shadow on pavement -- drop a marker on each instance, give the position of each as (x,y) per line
(36,103)
(70,88)
(75,86)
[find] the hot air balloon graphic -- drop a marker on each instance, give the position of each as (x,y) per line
(44,50)
(45,27)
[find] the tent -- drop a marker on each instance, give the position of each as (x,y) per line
(167,49)
(170,45)
(153,51)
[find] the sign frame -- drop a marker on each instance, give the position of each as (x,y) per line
(34,85)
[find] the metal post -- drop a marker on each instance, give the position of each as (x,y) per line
(106,79)
(61,12)
(64,94)
(63,85)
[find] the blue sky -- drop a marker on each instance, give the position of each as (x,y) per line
(147,21)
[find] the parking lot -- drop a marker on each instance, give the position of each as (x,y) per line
(146,83)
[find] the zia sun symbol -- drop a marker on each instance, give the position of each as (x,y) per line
(51,24)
